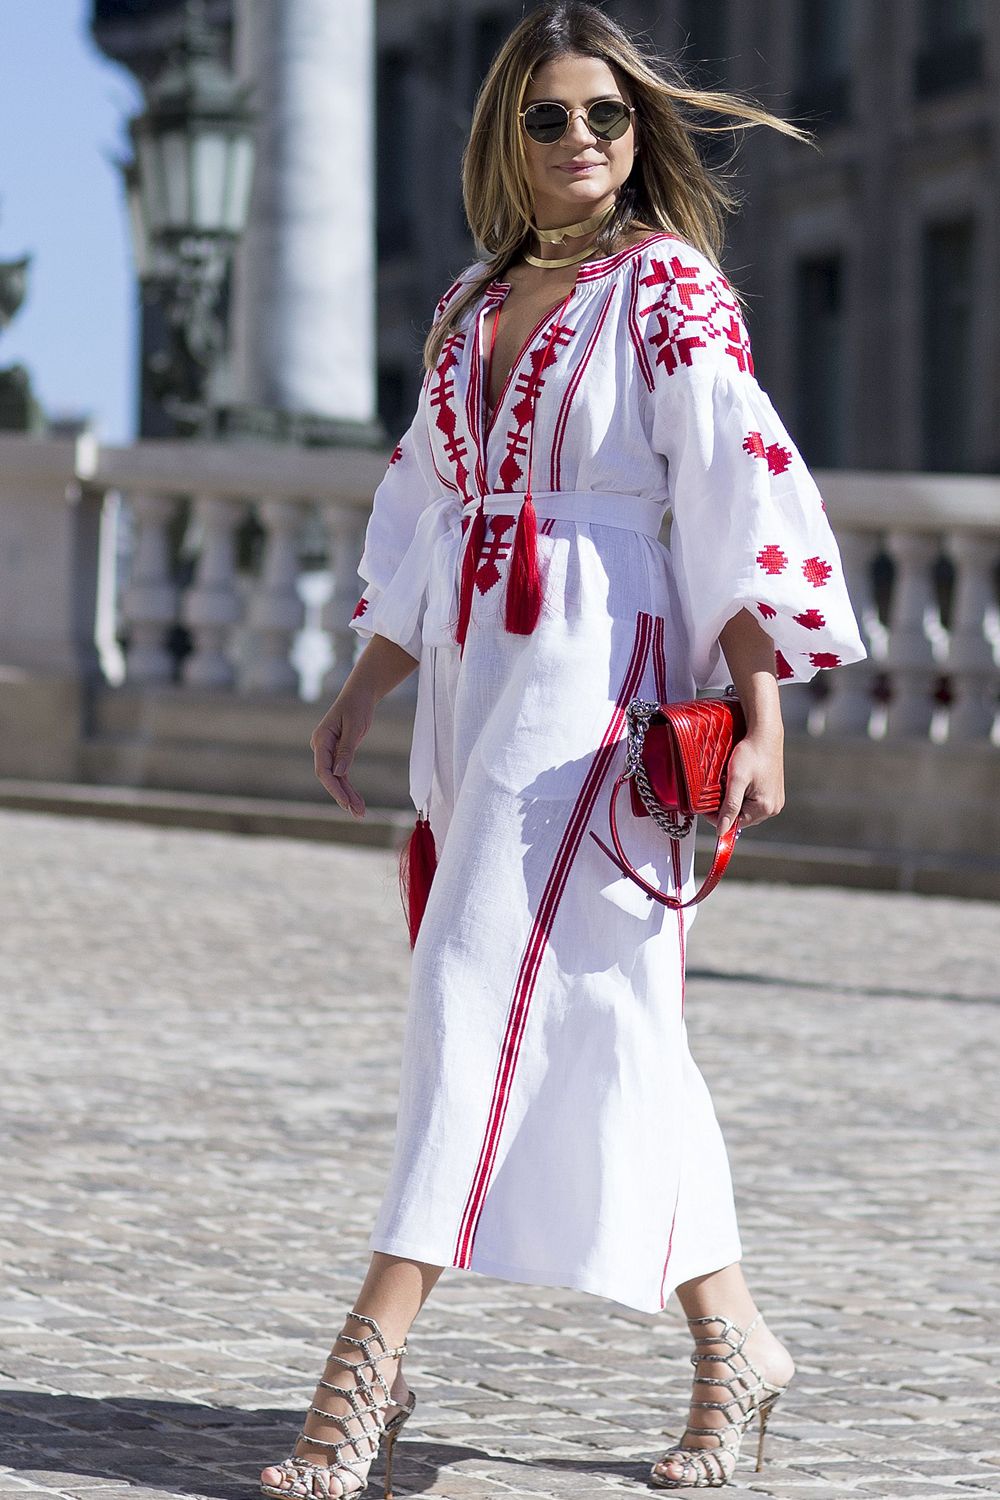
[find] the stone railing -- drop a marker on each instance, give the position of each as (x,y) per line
(921,554)
(92,535)
(242,625)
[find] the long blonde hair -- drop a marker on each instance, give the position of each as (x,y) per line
(669,187)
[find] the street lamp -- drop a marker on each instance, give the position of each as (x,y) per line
(188,189)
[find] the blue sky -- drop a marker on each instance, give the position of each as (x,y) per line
(63,108)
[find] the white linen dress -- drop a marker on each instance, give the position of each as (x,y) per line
(552,1126)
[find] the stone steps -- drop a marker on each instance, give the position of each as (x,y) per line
(759,856)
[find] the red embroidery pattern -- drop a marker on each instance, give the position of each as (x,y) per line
(810,619)
(778,458)
(528,387)
(360,607)
(685,324)
(784,671)
(772,559)
(824,659)
(441,397)
(816,571)
(396,454)
(496,546)
(766,610)
(446,298)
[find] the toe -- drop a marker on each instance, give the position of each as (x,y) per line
(675,1469)
(276,1478)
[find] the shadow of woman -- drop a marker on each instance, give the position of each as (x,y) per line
(163,1447)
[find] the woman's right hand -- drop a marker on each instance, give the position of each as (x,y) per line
(334,742)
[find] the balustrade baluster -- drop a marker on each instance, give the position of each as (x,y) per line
(847,708)
(346,531)
(213,604)
(796,707)
(971,662)
(910,656)
(276,612)
(149,603)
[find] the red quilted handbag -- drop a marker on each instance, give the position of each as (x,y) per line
(676,759)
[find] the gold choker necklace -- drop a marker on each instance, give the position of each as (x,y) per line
(556,237)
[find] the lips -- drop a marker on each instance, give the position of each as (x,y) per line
(578,166)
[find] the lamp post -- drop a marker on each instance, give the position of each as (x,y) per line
(188,189)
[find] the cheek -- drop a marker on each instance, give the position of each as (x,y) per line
(537,164)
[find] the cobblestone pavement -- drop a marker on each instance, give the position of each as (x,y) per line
(187,1185)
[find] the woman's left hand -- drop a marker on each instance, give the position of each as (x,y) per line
(755,781)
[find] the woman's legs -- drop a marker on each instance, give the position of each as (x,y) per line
(724,1294)
(393,1292)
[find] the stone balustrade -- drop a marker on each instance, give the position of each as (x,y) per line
(242,624)
(921,553)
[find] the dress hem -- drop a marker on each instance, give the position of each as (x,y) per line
(568,1280)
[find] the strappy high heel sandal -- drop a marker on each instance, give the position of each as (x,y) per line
(309,1479)
(749,1392)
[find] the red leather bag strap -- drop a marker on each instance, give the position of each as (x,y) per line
(723,853)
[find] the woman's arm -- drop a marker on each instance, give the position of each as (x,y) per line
(381,666)
(755,784)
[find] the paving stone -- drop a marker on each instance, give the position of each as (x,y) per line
(179,1144)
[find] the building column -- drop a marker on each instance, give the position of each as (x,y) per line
(303,334)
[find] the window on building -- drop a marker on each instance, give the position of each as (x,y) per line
(823,61)
(821,361)
(950,48)
(705,42)
(394,392)
(489,31)
(945,20)
(703,57)
(394,226)
(946,363)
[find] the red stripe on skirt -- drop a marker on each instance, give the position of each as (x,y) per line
(535,946)
(660,677)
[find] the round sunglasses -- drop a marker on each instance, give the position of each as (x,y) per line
(546,121)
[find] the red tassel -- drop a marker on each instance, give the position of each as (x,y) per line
(524,581)
(470,562)
(417,863)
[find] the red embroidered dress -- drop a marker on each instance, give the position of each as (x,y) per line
(553,1127)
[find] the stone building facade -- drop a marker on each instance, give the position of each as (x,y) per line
(871,265)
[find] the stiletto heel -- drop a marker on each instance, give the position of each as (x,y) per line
(764,1410)
(309,1479)
(390,1440)
(752,1395)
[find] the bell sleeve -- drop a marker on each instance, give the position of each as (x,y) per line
(394,598)
(406,488)
(749,526)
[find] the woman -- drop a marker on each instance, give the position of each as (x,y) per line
(552,1125)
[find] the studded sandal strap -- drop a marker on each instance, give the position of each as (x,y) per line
(366,1408)
(712,1463)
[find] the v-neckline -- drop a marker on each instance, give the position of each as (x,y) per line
(489,422)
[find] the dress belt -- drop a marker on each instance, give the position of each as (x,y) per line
(428,574)
(428,578)
(599,507)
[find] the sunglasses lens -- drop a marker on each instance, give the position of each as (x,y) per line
(545,122)
(608,119)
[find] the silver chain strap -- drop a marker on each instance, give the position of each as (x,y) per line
(637,717)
